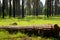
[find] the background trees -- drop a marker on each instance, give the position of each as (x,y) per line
(57,7)
(19,8)
(37,7)
(51,7)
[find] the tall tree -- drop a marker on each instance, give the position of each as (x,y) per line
(35,6)
(48,8)
(52,7)
(17,8)
(4,7)
(22,8)
(0,8)
(56,6)
(28,7)
(10,8)
(14,1)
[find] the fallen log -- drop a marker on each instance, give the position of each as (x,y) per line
(48,26)
(46,30)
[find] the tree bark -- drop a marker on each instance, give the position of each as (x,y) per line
(37,5)
(22,8)
(14,8)
(17,7)
(56,7)
(48,8)
(52,7)
(3,7)
(10,8)
(28,6)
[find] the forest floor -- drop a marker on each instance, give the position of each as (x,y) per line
(29,20)
(4,35)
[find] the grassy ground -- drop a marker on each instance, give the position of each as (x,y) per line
(29,20)
(4,35)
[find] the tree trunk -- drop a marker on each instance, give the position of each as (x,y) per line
(10,8)
(48,8)
(22,8)
(14,8)
(55,7)
(34,7)
(0,9)
(3,8)
(37,5)
(17,7)
(29,7)
(52,7)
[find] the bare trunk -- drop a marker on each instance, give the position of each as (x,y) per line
(14,8)
(28,7)
(10,8)
(17,7)
(22,8)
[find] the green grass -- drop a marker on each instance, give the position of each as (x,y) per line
(29,20)
(4,35)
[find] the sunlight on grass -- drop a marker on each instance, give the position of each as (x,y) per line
(30,21)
